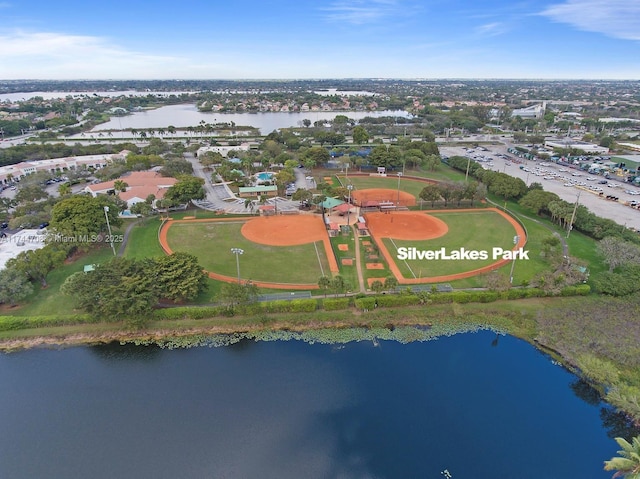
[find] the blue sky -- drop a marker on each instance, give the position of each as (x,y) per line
(284,39)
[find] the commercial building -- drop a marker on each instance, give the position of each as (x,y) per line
(57,166)
(570,143)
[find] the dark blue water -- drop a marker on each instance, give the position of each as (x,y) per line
(478,407)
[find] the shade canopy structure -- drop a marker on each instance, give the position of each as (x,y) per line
(331,203)
(343,208)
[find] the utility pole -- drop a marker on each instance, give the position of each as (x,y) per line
(573,215)
(106,211)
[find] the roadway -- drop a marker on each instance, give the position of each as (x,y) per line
(616,211)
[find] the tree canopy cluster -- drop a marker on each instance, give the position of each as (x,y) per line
(128,289)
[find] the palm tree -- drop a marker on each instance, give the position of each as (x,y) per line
(64,189)
(249,204)
(120,185)
(627,465)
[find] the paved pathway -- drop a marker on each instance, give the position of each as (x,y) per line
(358,259)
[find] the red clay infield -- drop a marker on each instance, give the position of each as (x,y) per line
(284,230)
(405,225)
(382,194)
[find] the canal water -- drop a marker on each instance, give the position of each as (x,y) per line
(477,405)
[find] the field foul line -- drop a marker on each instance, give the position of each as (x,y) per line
(318,256)
(404,260)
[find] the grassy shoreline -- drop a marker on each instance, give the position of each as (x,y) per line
(608,362)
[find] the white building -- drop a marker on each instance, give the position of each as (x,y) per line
(57,166)
(533,111)
(575,144)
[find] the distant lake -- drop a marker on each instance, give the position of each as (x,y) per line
(479,405)
(48,95)
(185,115)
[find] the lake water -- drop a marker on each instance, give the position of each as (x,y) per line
(478,405)
(185,115)
(48,95)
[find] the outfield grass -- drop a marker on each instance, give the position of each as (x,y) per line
(349,273)
(211,243)
(50,300)
(143,240)
(472,231)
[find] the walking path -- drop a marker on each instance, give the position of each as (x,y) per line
(358,260)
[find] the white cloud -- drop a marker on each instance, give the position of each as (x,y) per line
(55,55)
(492,29)
(359,12)
(614,18)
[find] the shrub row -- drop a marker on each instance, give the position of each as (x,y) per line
(294,306)
(8,323)
(462,297)
(334,304)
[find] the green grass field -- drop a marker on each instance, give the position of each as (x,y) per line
(480,230)
(348,272)
(211,243)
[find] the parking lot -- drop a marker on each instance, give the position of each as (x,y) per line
(554,177)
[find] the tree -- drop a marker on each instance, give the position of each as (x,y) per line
(141,208)
(377,286)
(390,283)
(120,185)
(84,216)
(179,277)
(446,191)
(37,264)
(249,205)
(431,193)
(187,188)
(338,285)
(302,195)
(360,135)
(31,193)
(238,294)
(627,464)
(14,286)
(618,252)
(538,200)
(119,289)
(318,155)
(283,178)
(324,283)
(64,189)
(176,168)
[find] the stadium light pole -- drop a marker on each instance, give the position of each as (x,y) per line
(106,210)
(399,176)
(516,238)
(237,252)
(349,187)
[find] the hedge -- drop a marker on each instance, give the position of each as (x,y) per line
(8,323)
(293,306)
(334,304)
